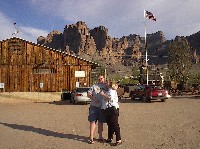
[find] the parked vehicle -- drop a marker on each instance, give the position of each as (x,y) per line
(79,95)
(146,93)
(138,92)
(120,92)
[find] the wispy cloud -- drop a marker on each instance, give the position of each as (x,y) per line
(31,33)
(7,27)
(126,17)
(27,33)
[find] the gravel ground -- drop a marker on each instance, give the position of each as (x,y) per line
(42,121)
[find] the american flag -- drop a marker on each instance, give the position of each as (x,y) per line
(150,15)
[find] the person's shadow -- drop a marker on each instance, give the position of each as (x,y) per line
(46,132)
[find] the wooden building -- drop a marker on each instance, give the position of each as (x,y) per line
(30,67)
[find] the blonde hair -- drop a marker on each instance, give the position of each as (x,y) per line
(113,84)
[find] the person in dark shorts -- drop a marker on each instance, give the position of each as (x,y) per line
(95,112)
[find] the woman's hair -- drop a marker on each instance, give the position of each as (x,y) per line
(113,84)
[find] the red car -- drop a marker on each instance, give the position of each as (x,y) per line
(147,93)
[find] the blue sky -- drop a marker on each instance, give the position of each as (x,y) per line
(36,18)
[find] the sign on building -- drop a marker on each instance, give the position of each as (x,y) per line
(1,85)
(41,85)
(79,73)
(77,84)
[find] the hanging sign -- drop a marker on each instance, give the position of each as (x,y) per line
(41,85)
(1,85)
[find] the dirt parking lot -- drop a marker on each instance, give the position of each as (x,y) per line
(42,121)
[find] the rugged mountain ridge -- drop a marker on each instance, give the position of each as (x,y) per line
(115,54)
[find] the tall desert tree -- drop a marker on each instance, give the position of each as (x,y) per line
(180,59)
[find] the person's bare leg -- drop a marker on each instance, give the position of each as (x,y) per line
(92,129)
(100,130)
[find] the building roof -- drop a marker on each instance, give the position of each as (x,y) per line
(55,50)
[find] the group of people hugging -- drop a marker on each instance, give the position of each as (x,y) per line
(104,108)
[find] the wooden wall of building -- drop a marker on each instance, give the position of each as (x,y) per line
(29,67)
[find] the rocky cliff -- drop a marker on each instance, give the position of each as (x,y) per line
(115,54)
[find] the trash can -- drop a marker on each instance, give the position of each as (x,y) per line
(66,95)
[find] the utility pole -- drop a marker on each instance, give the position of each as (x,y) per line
(148,15)
(145,44)
(105,73)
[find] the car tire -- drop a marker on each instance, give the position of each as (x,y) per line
(72,100)
(163,100)
(146,99)
(132,97)
(75,102)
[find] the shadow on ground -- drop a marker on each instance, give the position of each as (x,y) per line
(128,100)
(186,96)
(62,102)
(46,132)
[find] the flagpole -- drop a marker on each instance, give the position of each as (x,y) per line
(145,44)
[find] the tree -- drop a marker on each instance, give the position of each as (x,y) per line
(194,76)
(180,59)
(136,71)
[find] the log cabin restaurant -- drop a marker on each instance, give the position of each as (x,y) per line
(30,67)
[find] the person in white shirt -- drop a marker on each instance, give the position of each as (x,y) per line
(110,106)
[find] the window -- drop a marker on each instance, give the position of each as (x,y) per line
(82,89)
(43,71)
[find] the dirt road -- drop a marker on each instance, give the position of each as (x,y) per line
(44,124)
